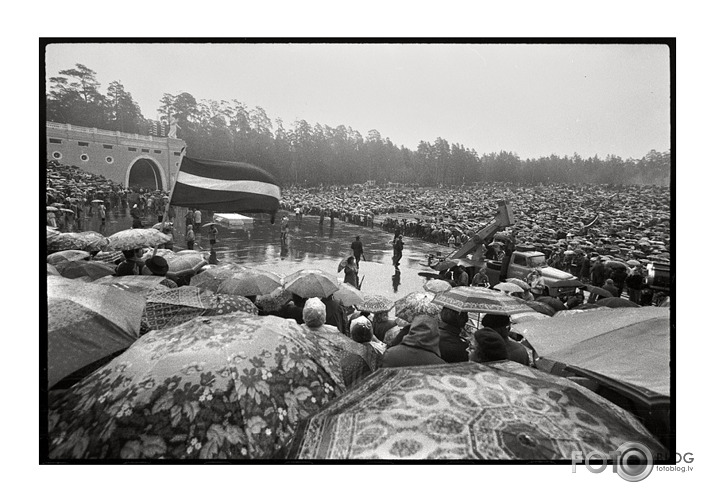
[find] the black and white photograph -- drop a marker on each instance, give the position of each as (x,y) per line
(453,255)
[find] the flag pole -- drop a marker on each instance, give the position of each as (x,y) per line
(173,185)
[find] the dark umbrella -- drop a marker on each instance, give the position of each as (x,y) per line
(81,268)
(540,307)
(556,304)
(466,411)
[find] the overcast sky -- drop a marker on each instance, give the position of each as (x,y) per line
(530,99)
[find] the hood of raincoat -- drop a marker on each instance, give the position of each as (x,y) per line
(424,333)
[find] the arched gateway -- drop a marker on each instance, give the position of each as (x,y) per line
(130,159)
(144,172)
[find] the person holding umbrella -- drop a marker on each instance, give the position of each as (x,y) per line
(351,272)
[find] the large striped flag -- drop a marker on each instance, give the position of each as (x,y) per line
(225,187)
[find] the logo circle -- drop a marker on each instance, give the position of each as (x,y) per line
(635,461)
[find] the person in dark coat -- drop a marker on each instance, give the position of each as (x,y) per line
(293,309)
(611,288)
(419,347)
(397,247)
(619,276)
(501,325)
(335,314)
(598,273)
(381,323)
(453,342)
(634,283)
(490,347)
(357,251)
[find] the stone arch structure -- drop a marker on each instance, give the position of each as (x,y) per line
(145,171)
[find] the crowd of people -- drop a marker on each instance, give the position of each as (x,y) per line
(73,195)
(626,222)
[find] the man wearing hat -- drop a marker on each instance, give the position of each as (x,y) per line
(501,324)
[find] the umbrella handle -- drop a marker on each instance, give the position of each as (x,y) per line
(154,254)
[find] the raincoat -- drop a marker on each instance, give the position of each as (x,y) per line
(419,347)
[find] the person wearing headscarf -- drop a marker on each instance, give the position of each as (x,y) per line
(419,347)
(314,313)
(453,341)
(490,347)
(501,325)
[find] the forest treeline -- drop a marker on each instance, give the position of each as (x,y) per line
(312,154)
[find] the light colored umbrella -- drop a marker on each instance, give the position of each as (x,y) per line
(509,288)
(520,283)
(436,286)
(87,322)
(348,295)
(132,239)
(67,255)
(250,282)
(211,279)
(480,300)
(222,387)
(108,257)
(414,304)
(375,303)
(499,411)
(52,270)
(631,345)
(308,283)
(184,264)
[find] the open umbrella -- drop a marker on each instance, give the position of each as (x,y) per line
(375,303)
(132,239)
(443,265)
(81,268)
(436,286)
(272,302)
(519,282)
(171,307)
(616,302)
(223,387)
(311,283)
(67,255)
(343,263)
(615,264)
(414,304)
(109,257)
(87,322)
(348,295)
(185,264)
(250,282)
(480,300)
(52,270)
(509,288)
(211,278)
(142,285)
(637,342)
(502,411)
(597,292)
(87,241)
(225,304)
(567,283)
(633,263)
(52,208)
(552,302)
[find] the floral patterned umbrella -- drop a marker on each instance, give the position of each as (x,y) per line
(501,411)
(171,307)
(66,255)
(251,282)
(416,303)
(224,387)
(87,241)
(375,303)
(132,239)
(481,300)
(81,268)
(87,322)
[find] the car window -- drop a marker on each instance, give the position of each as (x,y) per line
(520,260)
